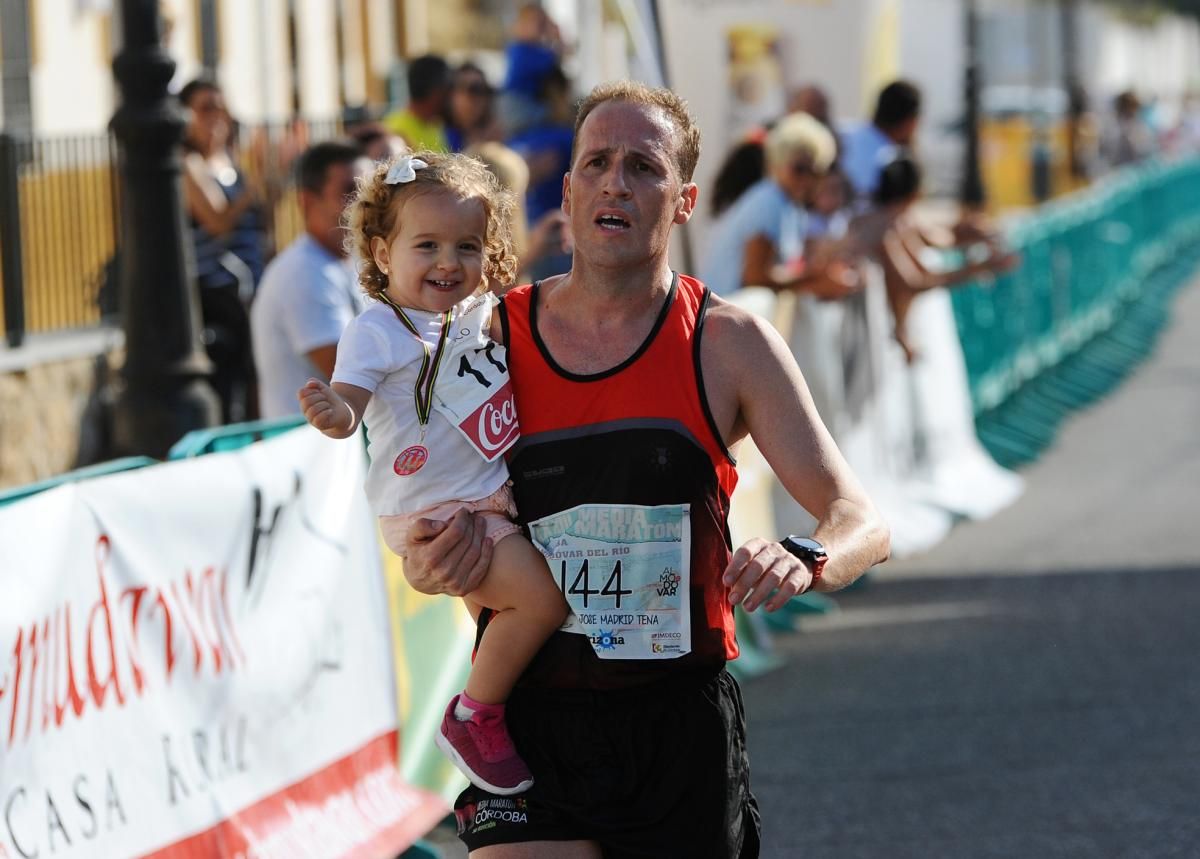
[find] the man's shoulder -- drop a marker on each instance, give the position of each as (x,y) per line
(296,252)
(730,326)
(857,131)
(306,262)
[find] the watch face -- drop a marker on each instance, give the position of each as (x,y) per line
(808,544)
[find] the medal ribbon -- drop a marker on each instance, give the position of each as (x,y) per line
(423,395)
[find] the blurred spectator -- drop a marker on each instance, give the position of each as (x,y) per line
(888,235)
(744,165)
(1083,138)
(370,135)
(867,147)
(229,240)
(471,118)
(534,49)
(376,142)
(548,240)
(310,291)
(546,145)
(813,100)
(1127,139)
(422,122)
(1188,138)
(827,212)
(759,240)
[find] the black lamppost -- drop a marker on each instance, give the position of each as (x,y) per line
(972,193)
(164,391)
(1076,98)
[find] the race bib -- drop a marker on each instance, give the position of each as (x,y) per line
(625,572)
(473,390)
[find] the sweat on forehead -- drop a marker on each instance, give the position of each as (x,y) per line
(677,131)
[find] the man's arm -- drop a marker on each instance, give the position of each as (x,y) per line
(754,387)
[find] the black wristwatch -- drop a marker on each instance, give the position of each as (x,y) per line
(808,550)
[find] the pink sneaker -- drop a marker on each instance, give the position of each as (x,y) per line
(482,749)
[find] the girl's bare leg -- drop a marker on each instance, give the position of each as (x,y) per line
(529,607)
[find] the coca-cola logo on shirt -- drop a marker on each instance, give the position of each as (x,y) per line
(493,427)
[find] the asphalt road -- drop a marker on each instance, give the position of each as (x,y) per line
(1030,688)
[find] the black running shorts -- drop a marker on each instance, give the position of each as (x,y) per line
(657,771)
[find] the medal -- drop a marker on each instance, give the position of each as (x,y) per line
(412,458)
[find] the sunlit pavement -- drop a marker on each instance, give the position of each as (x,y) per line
(1030,687)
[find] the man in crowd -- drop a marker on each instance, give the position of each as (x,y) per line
(422,123)
(309,292)
(867,147)
(634,386)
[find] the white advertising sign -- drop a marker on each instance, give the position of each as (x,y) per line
(195,661)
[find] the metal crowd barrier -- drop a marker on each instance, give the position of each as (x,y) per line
(1084,307)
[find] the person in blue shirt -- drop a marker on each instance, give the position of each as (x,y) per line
(759,240)
(546,148)
(310,291)
(867,147)
(534,50)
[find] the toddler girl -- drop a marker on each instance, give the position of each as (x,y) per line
(419,369)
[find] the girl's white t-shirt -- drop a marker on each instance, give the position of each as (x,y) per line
(472,422)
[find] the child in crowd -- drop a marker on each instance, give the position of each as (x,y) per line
(889,234)
(418,367)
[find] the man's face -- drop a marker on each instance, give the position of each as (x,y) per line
(323,212)
(623,194)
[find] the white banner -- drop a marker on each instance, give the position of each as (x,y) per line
(195,661)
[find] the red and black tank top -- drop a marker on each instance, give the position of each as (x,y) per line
(640,433)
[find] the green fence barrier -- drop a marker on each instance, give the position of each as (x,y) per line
(1086,305)
(99,470)
(230,437)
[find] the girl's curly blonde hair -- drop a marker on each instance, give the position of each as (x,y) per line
(375,211)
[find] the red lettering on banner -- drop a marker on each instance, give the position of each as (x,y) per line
(98,689)
(357,807)
(42,658)
(74,699)
(493,427)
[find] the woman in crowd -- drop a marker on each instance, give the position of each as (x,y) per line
(471,114)
(759,240)
(229,240)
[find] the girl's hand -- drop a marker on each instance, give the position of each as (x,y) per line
(325,410)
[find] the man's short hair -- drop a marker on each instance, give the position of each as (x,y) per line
(426,75)
(687,139)
(898,102)
(314,163)
(801,134)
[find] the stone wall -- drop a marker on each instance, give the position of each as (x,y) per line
(46,425)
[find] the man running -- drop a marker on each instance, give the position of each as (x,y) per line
(634,386)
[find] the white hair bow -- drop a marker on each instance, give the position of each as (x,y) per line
(403,169)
